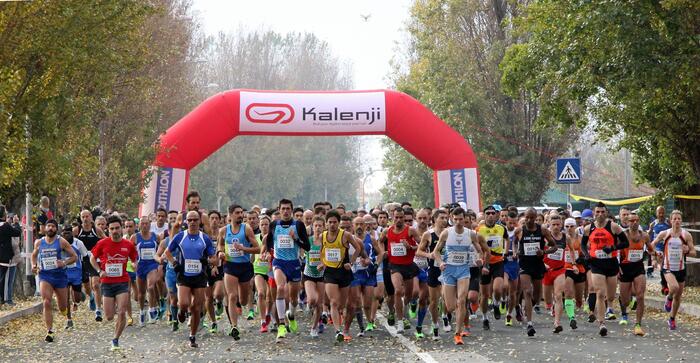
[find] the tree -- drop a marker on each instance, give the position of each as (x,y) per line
(261,170)
(453,57)
(631,70)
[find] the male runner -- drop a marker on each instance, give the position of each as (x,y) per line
(74,273)
(511,268)
(89,233)
(632,277)
(426,248)
(554,280)
(313,277)
(492,274)
(420,285)
(112,253)
(147,269)
(48,261)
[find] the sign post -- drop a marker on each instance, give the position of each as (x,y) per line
(569,172)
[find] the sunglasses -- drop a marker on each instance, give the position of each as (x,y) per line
(490,213)
(192,219)
(571,226)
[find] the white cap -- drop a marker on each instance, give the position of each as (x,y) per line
(570,222)
(576,214)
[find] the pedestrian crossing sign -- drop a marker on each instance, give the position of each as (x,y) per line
(569,171)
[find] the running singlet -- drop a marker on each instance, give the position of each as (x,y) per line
(397,253)
(555,260)
(194,250)
(113,257)
(634,253)
(49,254)
(511,238)
(233,255)
(529,244)
(285,247)
(334,253)
(571,264)
(674,258)
(495,238)
(313,260)
(600,238)
(433,243)
(369,249)
(80,252)
(88,237)
(459,249)
(260,267)
(147,249)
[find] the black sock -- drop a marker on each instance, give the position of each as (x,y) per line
(623,307)
(591,301)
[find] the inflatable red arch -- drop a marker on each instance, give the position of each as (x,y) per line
(318,113)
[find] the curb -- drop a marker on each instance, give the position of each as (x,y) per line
(685,308)
(34,309)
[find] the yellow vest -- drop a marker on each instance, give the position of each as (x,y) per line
(334,252)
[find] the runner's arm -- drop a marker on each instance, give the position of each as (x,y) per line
(302,238)
(96,251)
(584,241)
(423,246)
(254,248)
(359,247)
(484,247)
(35,254)
(659,238)
(691,244)
(550,241)
(438,247)
(72,257)
(621,240)
(379,248)
(220,242)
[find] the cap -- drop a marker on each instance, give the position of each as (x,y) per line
(489,207)
(569,222)
(462,204)
(587,213)
(576,214)
(497,207)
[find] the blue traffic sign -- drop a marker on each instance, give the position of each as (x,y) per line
(569,171)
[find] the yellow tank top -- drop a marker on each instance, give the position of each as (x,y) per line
(494,239)
(334,253)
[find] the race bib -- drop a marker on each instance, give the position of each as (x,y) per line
(148,253)
(675,253)
(285,241)
(49,263)
(193,266)
(531,248)
(315,258)
(262,263)
(114,269)
(332,254)
(494,242)
(398,249)
(457,258)
(421,262)
(635,255)
(600,254)
(232,252)
(567,257)
(556,255)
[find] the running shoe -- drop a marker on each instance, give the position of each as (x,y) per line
(390,319)
(293,326)
(624,320)
(509,320)
(193,342)
(436,333)
(466,332)
(537,309)
(236,334)
(413,310)
(49,336)
(406,324)
(142,318)
(610,314)
(638,331)
(558,329)
(486,324)
(281,332)
(668,305)
(98,316)
(603,331)
(591,318)
(321,328)
(263,327)
(530,330)
(339,337)
(419,335)
(573,324)
(115,345)
(458,339)
(446,327)
(213,329)
(672,324)
(361,333)
(370,326)
(502,306)
(69,324)
(153,314)
(251,315)
(496,312)
(314,333)
(129,321)
(633,304)
(518,313)
(176,326)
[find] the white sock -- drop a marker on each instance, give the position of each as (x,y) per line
(280,308)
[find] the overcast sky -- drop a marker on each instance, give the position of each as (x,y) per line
(368,45)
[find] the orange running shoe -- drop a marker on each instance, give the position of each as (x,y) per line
(458,340)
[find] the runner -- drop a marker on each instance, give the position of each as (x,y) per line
(49,263)
(492,274)
(401,240)
(90,234)
(531,239)
(286,237)
(575,280)
(147,269)
(74,273)
(194,251)
(214,293)
(426,248)
(170,280)
(632,275)
(554,280)
(313,278)
(236,242)
(336,268)
(606,237)
(160,228)
(454,266)
(511,268)
(659,225)
(677,244)
(419,303)
(113,252)
(261,269)
(129,231)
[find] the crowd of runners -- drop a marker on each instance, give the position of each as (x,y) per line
(211,269)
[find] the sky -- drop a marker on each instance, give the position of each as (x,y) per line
(368,45)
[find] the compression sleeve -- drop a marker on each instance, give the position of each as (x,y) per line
(622,241)
(584,245)
(303,240)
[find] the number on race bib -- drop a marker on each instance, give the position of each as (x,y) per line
(114,269)
(600,254)
(332,254)
(398,249)
(531,248)
(457,258)
(421,262)
(235,253)
(635,255)
(314,258)
(556,255)
(49,263)
(193,266)
(285,241)
(148,253)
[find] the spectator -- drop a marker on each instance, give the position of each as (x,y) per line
(9,255)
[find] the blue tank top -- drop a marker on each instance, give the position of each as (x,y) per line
(369,249)
(193,251)
(78,264)
(233,255)
(146,248)
(49,254)
(175,253)
(285,248)
(658,228)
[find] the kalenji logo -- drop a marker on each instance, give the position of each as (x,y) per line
(269,113)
